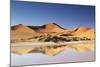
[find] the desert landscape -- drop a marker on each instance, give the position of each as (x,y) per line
(50,39)
(49,42)
(48,33)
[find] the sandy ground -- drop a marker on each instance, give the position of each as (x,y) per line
(34,44)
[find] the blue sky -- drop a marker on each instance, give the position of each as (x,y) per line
(67,16)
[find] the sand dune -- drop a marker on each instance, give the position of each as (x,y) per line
(81,30)
(84,32)
(23,29)
(52,28)
(15,35)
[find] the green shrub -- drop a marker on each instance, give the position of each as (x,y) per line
(22,40)
(85,38)
(76,38)
(36,37)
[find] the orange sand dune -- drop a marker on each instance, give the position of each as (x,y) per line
(52,28)
(56,29)
(15,35)
(85,32)
(81,30)
(22,28)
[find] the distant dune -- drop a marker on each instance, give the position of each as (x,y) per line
(81,30)
(47,28)
(51,28)
(21,30)
(84,32)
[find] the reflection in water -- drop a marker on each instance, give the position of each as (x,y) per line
(51,50)
(52,54)
(39,58)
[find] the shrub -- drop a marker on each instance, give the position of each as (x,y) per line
(22,40)
(36,37)
(85,38)
(76,38)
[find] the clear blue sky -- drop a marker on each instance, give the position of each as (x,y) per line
(67,16)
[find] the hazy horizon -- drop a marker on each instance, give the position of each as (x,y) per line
(37,14)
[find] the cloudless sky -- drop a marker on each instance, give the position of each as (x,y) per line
(67,16)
